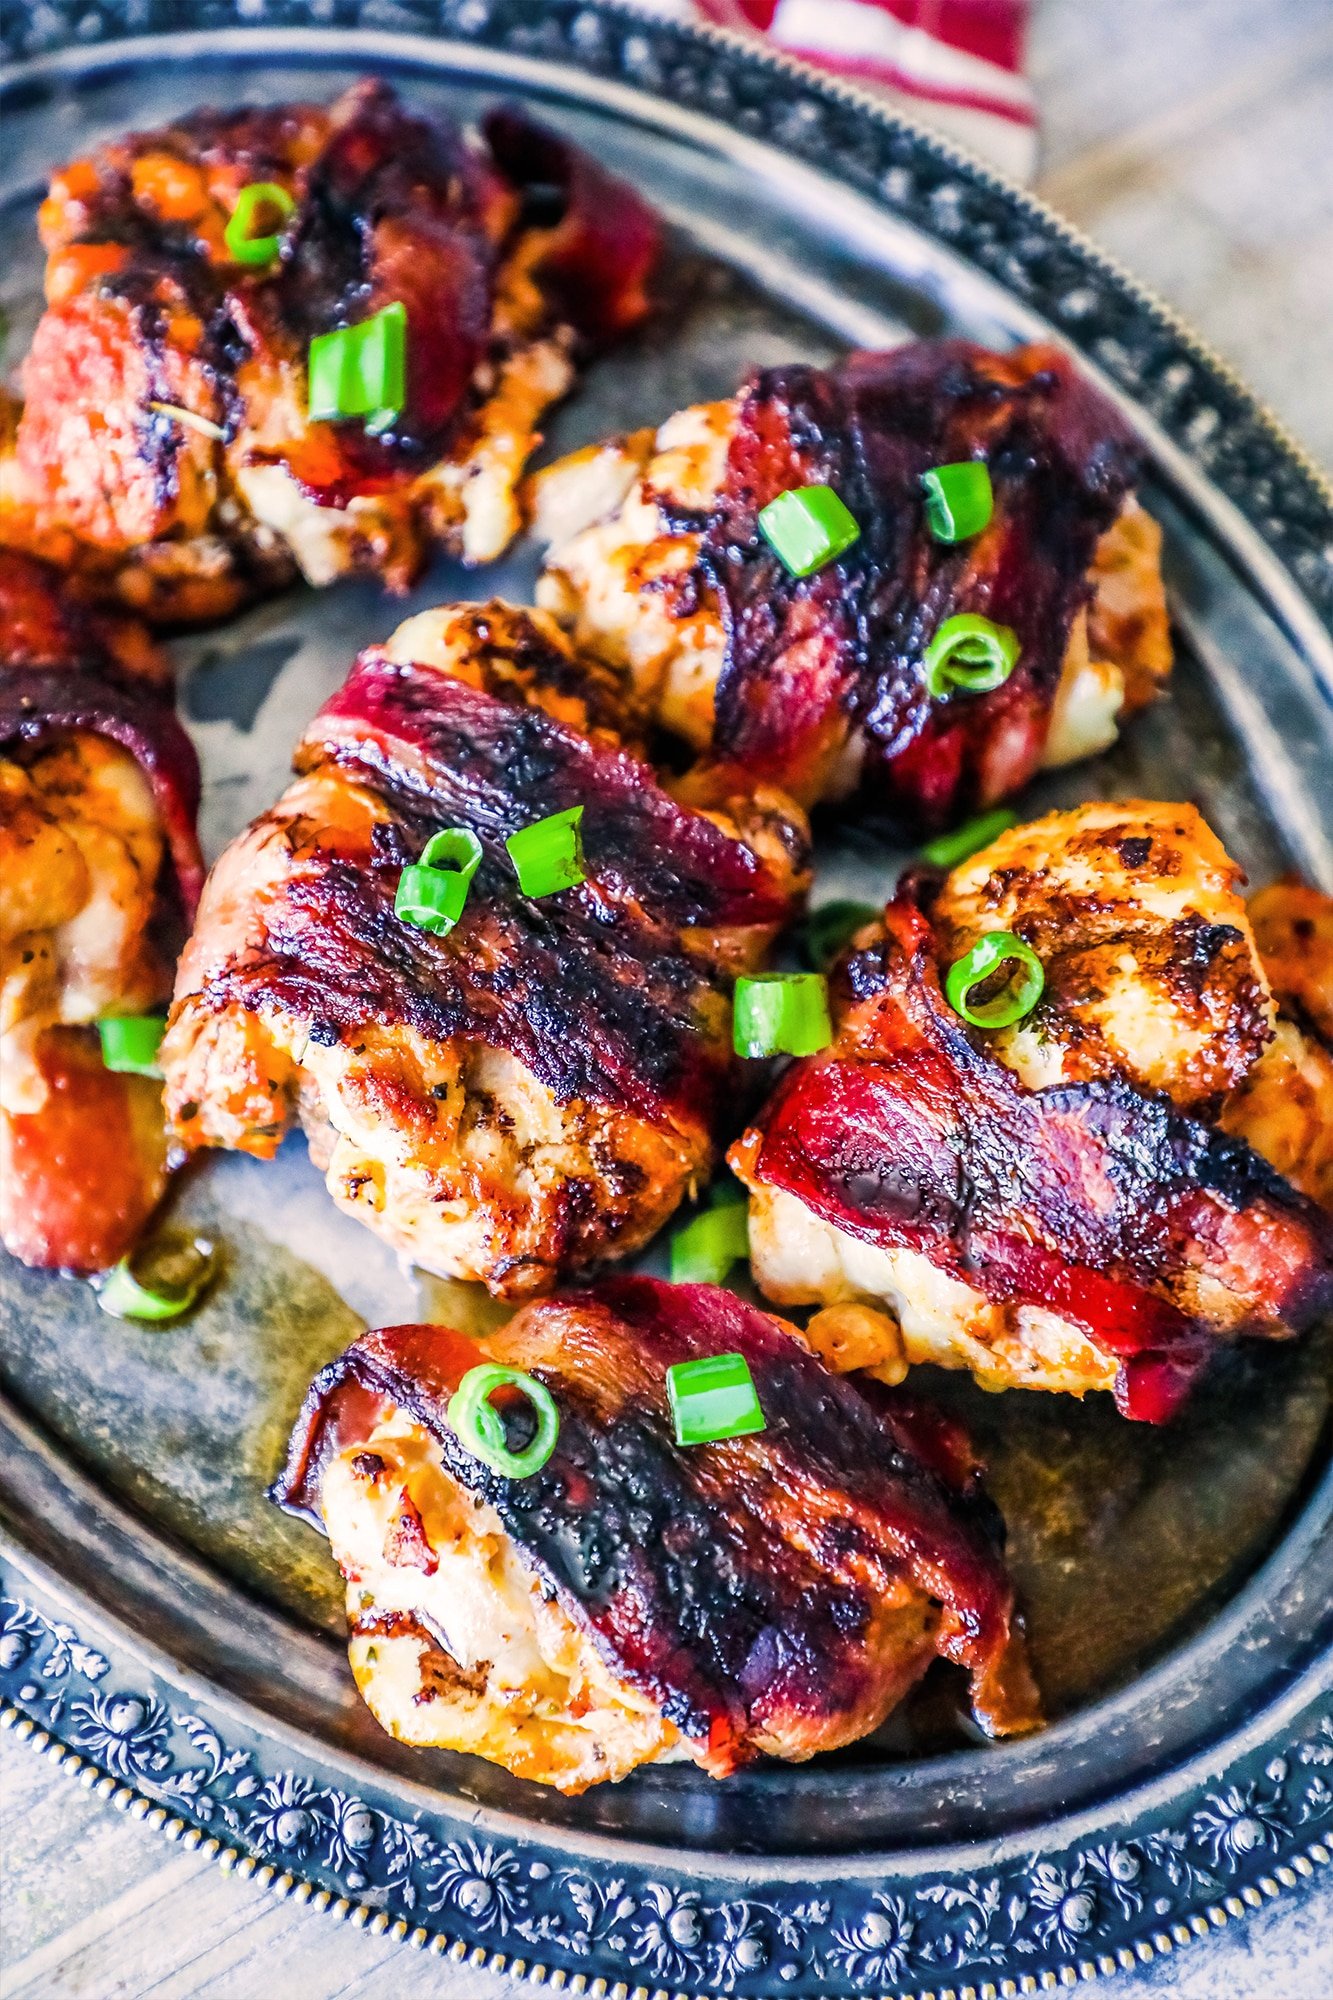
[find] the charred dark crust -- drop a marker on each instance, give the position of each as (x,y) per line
(809,658)
(683,1566)
(1096,1200)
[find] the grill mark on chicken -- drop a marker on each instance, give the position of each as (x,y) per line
(807,658)
(738,1586)
(1096,1200)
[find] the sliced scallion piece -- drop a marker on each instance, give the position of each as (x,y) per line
(713,1398)
(548,855)
(130,1042)
(431,892)
(703,1252)
(827,931)
(781,1013)
(159,1280)
(969,655)
(959,500)
(1017,996)
(244,246)
(480,1427)
(361,371)
(948,849)
(807,527)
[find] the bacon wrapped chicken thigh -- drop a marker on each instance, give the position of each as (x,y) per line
(294,337)
(99,873)
(537,1087)
(829,683)
(773,1593)
(1076,1199)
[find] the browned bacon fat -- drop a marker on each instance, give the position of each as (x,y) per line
(99,867)
(774,1594)
(1053,1204)
(165,442)
(819,682)
(537,1089)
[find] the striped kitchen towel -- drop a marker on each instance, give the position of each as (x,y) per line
(953,64)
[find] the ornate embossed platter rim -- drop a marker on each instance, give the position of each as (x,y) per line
(1220,1827)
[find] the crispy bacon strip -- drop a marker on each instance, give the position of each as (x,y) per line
(604,243)
(1147,1228)
(735,1585)
(807,658)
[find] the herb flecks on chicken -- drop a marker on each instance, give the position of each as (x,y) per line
(774,1594)
(164,444)
(537,1089)
(1055,1204)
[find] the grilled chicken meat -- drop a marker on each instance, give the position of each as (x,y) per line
(98,864)
(1078,1201)
(774,1594)
(538,1089)
(818,684)
(1284,1105)
(164,443)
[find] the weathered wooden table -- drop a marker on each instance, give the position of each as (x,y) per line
(1194,138)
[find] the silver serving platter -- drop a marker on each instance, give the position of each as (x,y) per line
(167,1632)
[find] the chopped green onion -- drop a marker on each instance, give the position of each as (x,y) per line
(430,899)
(160,1280)
(782,1013)
(361,371)
(828,930)
(431,894)
(130,1042)
(704,1251)
(713,1398)
(453,847)
(959,500)
(808,527)
(969,655)
(242,243)
(948,849)
(191,420)
(480,1427)
(548,855)
(1017,996)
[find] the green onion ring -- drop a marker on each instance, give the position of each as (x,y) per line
(969,655)
(159,1280)
(242,246)
(480,1427)
(1016,998)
